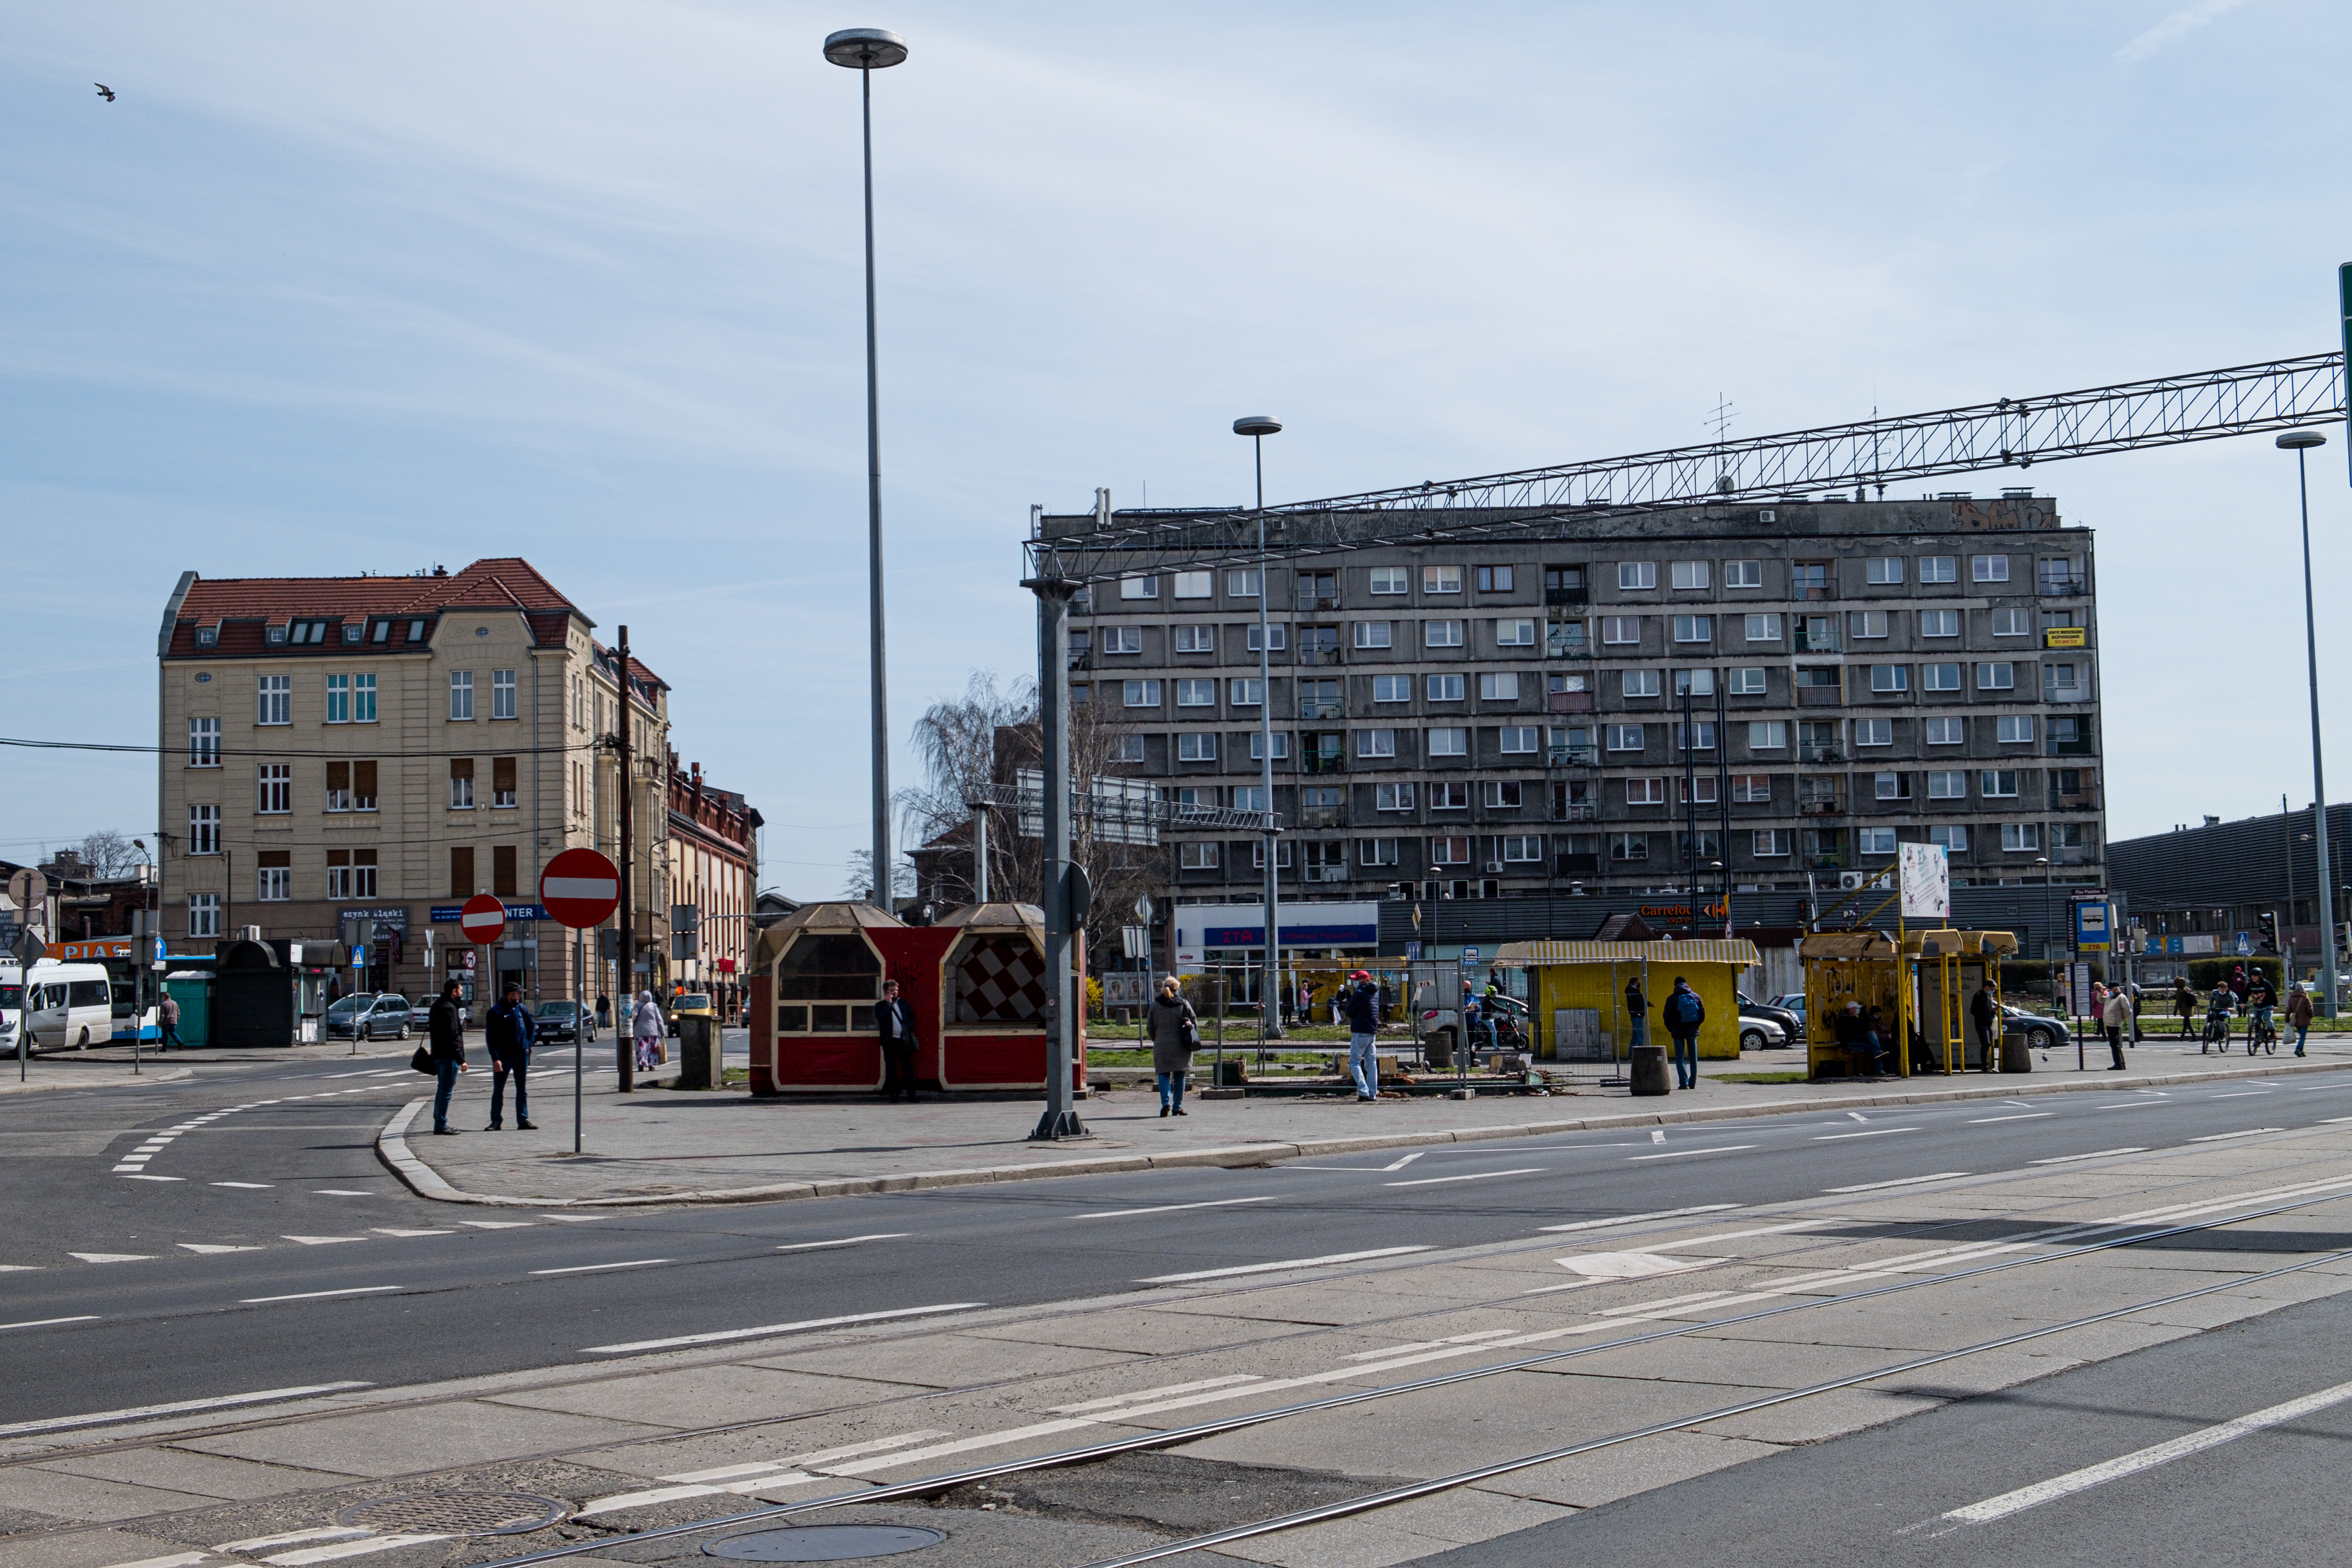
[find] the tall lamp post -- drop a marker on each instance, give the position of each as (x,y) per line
(1257,428)
(867,50)
(2048,963)
(2299,442)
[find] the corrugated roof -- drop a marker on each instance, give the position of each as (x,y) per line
(1741,952)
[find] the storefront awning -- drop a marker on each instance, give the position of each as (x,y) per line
(1527,954)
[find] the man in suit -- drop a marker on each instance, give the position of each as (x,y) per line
(894,1022)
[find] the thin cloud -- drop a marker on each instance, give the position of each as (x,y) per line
(2175,27)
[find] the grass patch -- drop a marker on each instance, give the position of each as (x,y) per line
(1757,1076)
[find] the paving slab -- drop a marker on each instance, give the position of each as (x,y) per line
(62,1496)
(1591,1480)
(400,1442)
(703,1397)
(201,1475)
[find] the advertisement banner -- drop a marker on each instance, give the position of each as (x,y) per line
(1926,882)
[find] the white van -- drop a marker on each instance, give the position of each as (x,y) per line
(72,1006)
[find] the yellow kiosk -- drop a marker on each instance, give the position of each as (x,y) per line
(1919,993)
(1578,993)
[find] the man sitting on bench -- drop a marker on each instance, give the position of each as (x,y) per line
(1855,1037)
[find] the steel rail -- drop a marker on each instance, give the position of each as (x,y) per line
(930,1484)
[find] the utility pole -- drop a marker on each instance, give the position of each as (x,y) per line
(623,1045)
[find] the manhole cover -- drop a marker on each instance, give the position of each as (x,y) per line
(457,1513)
(825,1543)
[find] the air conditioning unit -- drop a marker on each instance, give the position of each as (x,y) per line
(1494,867)
(1849,880)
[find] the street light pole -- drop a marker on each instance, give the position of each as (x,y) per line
(2299,442)
(867,50)
(1257,428)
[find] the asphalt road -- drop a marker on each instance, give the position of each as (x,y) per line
(265,1247)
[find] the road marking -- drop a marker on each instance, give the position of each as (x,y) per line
(1325,1260)
(575,1218)
(1171,1209)
(250,1186)
(1679,1153)
(1857,1116)
(2026,1116)
(961,1446)
(2129,1105)
(1874,1132)
(2070,1159)
(45,1323)
(297,1537)
(1474,1176)
(2147,1458)
(339,1192)
(111,1257)
(1657,1134)
(847,1241)
(308,1555)
(179,1407)
(806,1323)
(2240,1094)
(2223,1137)
(1108,1400)
(387,1230)
(1902,1182)
(207,1248)
(1408,1160)
(137,1176)
(1638,1219)
(324,1240)
(593,1268)
(177,1560)
(497,1224)
(2332,1120)
(317,1295)
(872,1445)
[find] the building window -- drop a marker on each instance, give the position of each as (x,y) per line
(1277,639)
(1635,576)
(1997,783)
(1883,571)
(461,871)
(1688,573)
(461,783)
(2021,837)
(1449,797)
(1503,687)
(276,789)
(1450,850)
(1390,580)
(461,694)
(1695,682)
(1763,628)
(1743,574)
(1440,579)
(1515,634)
(1747,681)
(1449,742)
(1955,840)
(2015,730)
(1866,624)
(1948,784)
(1697,737)
(1495,579)
(1122,640)
(1693,628)
(1769,843)
(502,782)
(1623,737)
(1946,731)
(1392,797)
(1874,732)
(1241,582)
(1196,748)
(1502,794)
(1891,786)
(1988,568)
(1196,640)
(203,743)
(1257,746)
(203,830)
(273,876)
(1752,789)
(339,699)
(1522,848)
(339,786)
(1637,683)
(1874,841)
(1139,693)
(1622,631)
(1938,568)
(1392,688)
(1195,585)
(208,636)
(1444,688)
(1889,677)
(1281,855)
(1127,749)
(1196,693)
(351,874)
(1520,740)
(1701,791)
(1197,797)
(1645,792)
(2059,683)
(1376,851)
(274,700)
(1628,846)
(1441,634)
(203,914)
(1139,587)
(1196,856)
(2010,624)
(1939,678)
(1939,622)
(502,870)
(1767,734)
(1996,677)
(1373,634)
(1376,742)
(2069,836)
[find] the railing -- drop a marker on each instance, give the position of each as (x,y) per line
(1316,762)
(1082,658)
(1316,604)
(1568,596)
(1319,656)
(1819,754)
(1322,708)
(2065,587)
(1565,642)
(1568,701)
(1831,808)
(1574,756)
(1823,862)
(1813,593)
(1322,816)
(1575,811)
(1825,643)
(2077,747)
(1819,696)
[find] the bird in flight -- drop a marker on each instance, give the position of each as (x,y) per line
(104,92)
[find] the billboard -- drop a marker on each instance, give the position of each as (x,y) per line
(1926,882)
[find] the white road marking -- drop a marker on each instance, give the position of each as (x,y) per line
(2099,1154)
(297,1537)
(1657,1134)
(959,1446)
(1474,1176)
(724,1334)
(575,1218)
(1740,1235)
(1324,1261)
(372,1544)
(1638,1219)
(2332,1120)
(45,1323)
(2027,1116)
(1679,1153)
(111,1257)
(207,1248)
(2241,1094)
(177,1560)
(179,1407)
(251,1186)
(594,1268)
(1857,1116)
(2128,1105)
(1690,1301)
(1900,1182)
(1171,1209)
(136,1176)
(339,1192)
(2223,1137)
(1409,1159)
(846,1241)
(1108,1400)
(497,1224)
(317,1295)
(2147,1458)
(1616,1267)
(324,1240)
(387,1230)
(1874,1132)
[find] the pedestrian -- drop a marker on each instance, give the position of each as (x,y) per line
(1637,1007)
(2184,1003)
(1175,1036)
(894,1027)
(2298,1013)
(1983,1011)
(604,1011)
(1363,1036)
(509,1033)
(1683,1014)
(167,1025)
(445,1028)
(1854,1038)
(2098,999)
(646,1028)
(2117,1017)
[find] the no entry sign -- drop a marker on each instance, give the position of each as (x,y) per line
(580,889)
(483,919)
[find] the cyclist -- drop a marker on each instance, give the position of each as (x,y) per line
(2217,1021)
(2259,998)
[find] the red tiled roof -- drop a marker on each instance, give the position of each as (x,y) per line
(249,604)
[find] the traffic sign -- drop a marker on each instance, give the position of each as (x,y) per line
(483,919)
(580,888)
(29,890)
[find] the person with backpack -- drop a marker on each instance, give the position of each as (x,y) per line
(1363,1001)
(1683,1014)
(1175,1036)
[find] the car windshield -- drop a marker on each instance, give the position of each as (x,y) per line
(557,1010)
(695,999)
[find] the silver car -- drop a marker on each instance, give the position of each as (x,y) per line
(370,1016)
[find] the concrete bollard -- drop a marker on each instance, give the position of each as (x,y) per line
(1650,1071)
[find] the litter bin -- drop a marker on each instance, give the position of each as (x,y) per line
(1650,1069)
(698,1044)
(2016,1053)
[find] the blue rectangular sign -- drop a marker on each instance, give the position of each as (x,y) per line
(446,914)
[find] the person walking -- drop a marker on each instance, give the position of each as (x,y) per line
(1175,1036)
(167,1025)
(604,1011)
(1983,1012)
(2184,1003)
(445,1026)
(646,1031)
(1363,1002)
(1683,1014)
(894,1027)
(2298,1013)
(509,1033)
(2117,1017)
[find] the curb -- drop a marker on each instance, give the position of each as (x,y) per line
(160,1075)
(392,1145)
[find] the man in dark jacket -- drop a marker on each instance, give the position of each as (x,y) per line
(1683,1014)
(1637,1007)
(509,1031)
(894,1022)
(1363,1036)
(447,1028)
(1983,1012)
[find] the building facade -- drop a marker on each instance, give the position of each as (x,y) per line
(2252,885)
(713,860)
(380,749)
(1771,696)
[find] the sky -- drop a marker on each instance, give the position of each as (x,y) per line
(334,289)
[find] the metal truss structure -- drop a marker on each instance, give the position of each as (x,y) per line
(1120,810)
(2243,400)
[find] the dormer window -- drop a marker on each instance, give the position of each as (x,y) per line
(417,631)
(313,632)
(383,632)
(208,636)
(278,634)
(352,631)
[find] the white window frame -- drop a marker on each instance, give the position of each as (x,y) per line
(1441,633)
(2014,730)
(1498,686)
(1931,677)
(273,699)
(1520,740)
(203,743)
(1997,674)
(461,696)
(1948,784)
(1764,627)
(1867,626)
(1503,795)
(1874,732)
(1769,843)
(1119,640)
(2010,622)
(1896,676)
(1637,576)
(1245,691)
(1952,836)
(2020,838)
(1440,579)
(1637,683)
(1449,740)
(1743,574)
(1196,640)
(1449,849)
(1947,730)
(1621,631)
(1613,734)
(1988,568)
(203,830)
(1697,682)
(339,699)
(1689,575)
(1515,634)
(1939,568)
(205,915)
(1767,734)
(1257,745)
(1748,680)
(1376,742)
(1645,791)
(1997,783)
(1195,584)
(1375,633)
(1127,749)
(1376,851)
(1392,688)
(1883,571)
(502,694)
(1241,582)
(1873,841)
(1939,622)
(1277,637)
(1141,692)
(1752,789)
(1390,580)
(1144,587)
(1442,688)
(1522,848)
(1693,628)
(1197,691)
(1196,746)
(1392,797)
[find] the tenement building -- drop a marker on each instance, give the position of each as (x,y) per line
(1776,695)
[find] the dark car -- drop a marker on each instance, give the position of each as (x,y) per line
(2041,1033)
(1792,1027)
(560,1020)
(370,1016)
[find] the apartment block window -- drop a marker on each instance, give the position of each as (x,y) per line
(203,914)
(1196,693)
(1241,582)
(1450,850)
(1376,851)
(1891,786)
(1948,784)
(1697,737)
(461,872)
(1139,587)
(1697,683)
(362,698)
(1515,634)
(2021,837)
(1628,846)
(1635,576)
(2010,624)
(1862,624)
(1954,840)
(1874,732)
(1196,640)
(1769,843)
(2015,730)
(1195,585)
(1522,848)
(2059,683)
(502,782)
(203,830)
(1449,742)
(1763,628)
(203,743)
(1127,749)
(1257,747)
(1638,682)
(276,789)
(1277,639)
(273,876)
(1281,855)
(1440,579)
(1390,580)
(274,700)
(1883,571)
(461,694)
(1139,693)
(1623,630)
(461,783)
(1701,791)
(1939,678)
(1449,797)
(1997,783)
(1441,634)
(502,694)
(1939,622)
(1748,681)
(350,873)
(1689,574)
(2069,836)
(1374,634)
(1249,797)
(1996,677)
(1693,628)
(1623,737)
(1500,687)
(1519,739)
(339,699)
(1195,857)
(1751,789)
(1376,742)
(1946,731)
(339,786)
(1502,794)
(1743,574)
(1196,748)
(502,870)
(1645,792)
(1767,734)
(1392,688)
(1122,640)
(1495,579)
(1392,797)
(1890,678)
(1873,841)
(1938,568)
(1445,689)
(1988,568)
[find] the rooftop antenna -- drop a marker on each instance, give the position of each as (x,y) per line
(1721,422)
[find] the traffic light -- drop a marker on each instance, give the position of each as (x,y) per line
(2266,930)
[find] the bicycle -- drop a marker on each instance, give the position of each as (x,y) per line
(2217,1032)
(2261,1034)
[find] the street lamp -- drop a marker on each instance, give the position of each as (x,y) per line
(2046,945)
(1257,428)
(867,50)
(2299,442)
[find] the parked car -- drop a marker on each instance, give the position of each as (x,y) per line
(370,1015)
(71,1005)
(1760,1033)
(2040,1032)
(1790,1022)
(561,1021)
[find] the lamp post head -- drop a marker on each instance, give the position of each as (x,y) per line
(2302,440)
(1255,424)
(865,48)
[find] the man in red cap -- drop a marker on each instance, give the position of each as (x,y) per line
(1364,1033)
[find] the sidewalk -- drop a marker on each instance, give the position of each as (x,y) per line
(667,1146)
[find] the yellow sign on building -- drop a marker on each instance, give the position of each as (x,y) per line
(2064,636)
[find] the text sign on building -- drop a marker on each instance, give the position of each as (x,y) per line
(581,888)
(453,915)
(2066,636)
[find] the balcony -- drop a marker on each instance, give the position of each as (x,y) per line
(1320,707)
(1082,658)
(1568,703)
(1323,874)
(1819,696)
(1575,811)
(1567,596)
(1574,756)
(2055,586)
(1577,866)
(1322,816)
(1812,588)
(1822,641)
(1321,762)
(1567,641)
(1816,753)
(1310,604)
(2070,746)
(1826,806)
(1319,656)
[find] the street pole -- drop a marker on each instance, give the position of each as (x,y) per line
(579,1017)
(1257,428)
(2287,940)
(2299,442)
(980,852)
(626,1081)
(1054,596)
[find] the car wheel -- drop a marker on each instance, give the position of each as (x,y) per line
(404,1032)
(1751,1039)
(85,1041)
(2045,1040)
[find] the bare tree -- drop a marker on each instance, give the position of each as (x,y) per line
(108,854)
(858,877)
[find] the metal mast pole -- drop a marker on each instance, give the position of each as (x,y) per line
(624,1042)
(1054,596)
(1257,428)
(881,764)
(2301,441)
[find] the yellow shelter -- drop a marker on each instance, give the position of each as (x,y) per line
(1577,989)
(1920,991)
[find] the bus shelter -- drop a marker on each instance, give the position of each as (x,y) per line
(1915,987)
(1577,993)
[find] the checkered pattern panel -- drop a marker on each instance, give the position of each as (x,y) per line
(1001,982)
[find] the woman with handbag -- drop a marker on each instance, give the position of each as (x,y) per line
(1175,1036)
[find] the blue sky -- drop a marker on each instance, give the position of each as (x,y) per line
(336,287)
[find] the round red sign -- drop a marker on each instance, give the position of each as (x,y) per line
(580,889)
(483,919)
